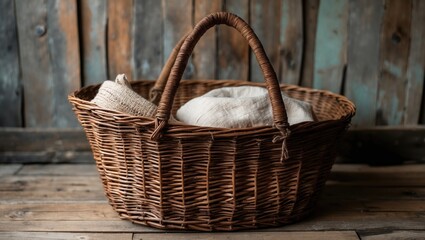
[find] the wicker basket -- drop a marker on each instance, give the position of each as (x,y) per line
(177,176)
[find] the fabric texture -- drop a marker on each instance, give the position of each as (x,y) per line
(240,107)
(119,96)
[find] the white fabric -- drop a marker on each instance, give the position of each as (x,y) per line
(119,96)
(239,107)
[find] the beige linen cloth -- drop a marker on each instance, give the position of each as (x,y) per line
(240,107)
(119,96)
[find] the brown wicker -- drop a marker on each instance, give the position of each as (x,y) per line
(177,176)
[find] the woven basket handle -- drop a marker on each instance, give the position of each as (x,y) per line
(278,108)
(158,88)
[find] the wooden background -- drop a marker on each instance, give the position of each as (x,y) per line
(371,51)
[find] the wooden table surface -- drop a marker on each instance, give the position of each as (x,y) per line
(67,202)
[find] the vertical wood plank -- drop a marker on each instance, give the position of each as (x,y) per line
(361,85)
(265,21)
(119,37)
(205,53)
(10,85)
(415,69)
(233,49)
(178,16)
(147,39)
(394,55)
(291,42)
(93,30)
(331,44)
(50,61)
(310,11)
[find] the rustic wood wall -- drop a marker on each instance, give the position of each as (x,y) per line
(371,51)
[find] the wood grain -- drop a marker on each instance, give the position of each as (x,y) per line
(291,42)
(147,39)
(330,55)
(233,49)
(394,56)
(64,236)
(391,235)
(361,84)
(93,29)
(415,69)
(120,17)
(178,20)
(265,20)
(205,53)
(310,11)
(50,61)
(10,83)
(9,169)
(59,170)
(349,235)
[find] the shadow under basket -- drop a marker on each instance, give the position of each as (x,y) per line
(213,179)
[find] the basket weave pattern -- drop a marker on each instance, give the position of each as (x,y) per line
(203,178)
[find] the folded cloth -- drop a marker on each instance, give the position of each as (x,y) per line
(240,107)
(119,96)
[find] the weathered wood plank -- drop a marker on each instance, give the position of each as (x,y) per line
(374,193)
(120,17)
(394,55)
(265,20)
(93,30)
(395,169)
(9,169)
(59,211)
(310,11)
(291,42)
(376,179)
(73,157)
(415,69)
(178,20)
(384,145)
(330,56)
(205,53)
(388,234)
(59,170)
(50,61)
(64,236)
(233,49)
(51,188)
(147,46)
(36,139)
(250,235)
(372,205)
(10,84)
(320,221)
(361,85)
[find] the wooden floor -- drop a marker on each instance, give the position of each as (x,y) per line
(67,202)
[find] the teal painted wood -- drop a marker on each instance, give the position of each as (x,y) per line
(415,69)
(394,56)
(233,51)
(205,53)
(147,47)
(291,42)
(361,84)
(265,20)
(93,29)
(10,85)
(50,61)
(331,45)
(178,21)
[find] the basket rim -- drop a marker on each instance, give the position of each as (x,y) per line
(146,121)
